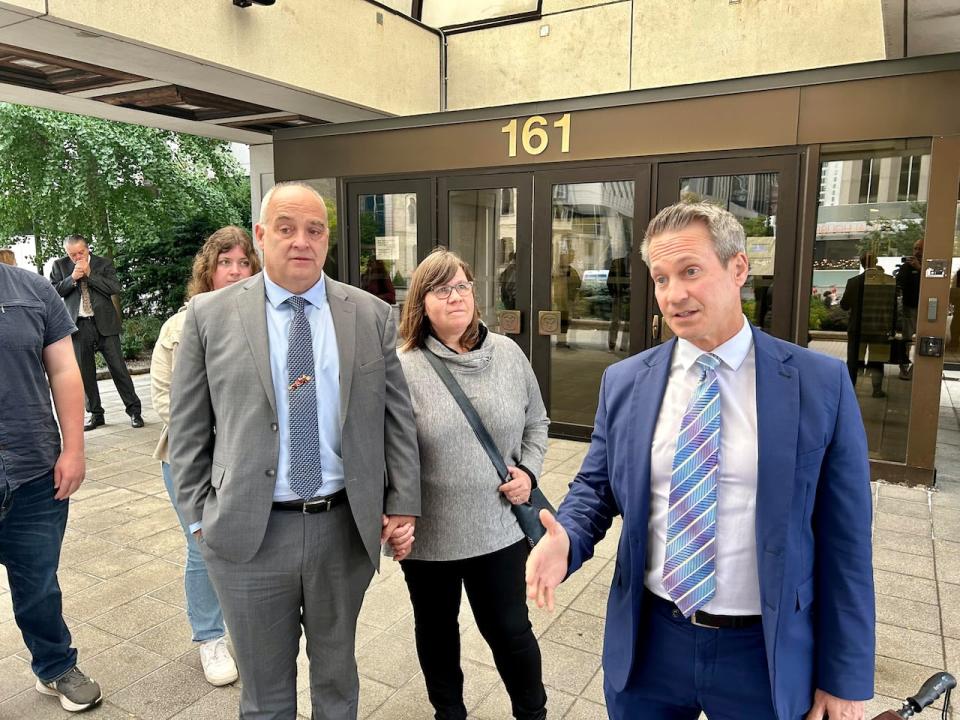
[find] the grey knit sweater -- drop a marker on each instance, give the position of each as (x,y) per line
(462,513)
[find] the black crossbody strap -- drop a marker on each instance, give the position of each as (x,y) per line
(469,412)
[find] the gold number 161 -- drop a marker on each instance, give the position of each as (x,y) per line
(533,137)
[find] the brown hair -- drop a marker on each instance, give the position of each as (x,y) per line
(205,263)
(438,268)
(7,257)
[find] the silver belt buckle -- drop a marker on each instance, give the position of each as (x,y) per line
(324,503)
(694,621)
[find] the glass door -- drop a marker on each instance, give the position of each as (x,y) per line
(485,219)
(589,287)
(762,193)
(390,230)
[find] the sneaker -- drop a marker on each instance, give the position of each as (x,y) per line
(878,393)
(218,666)
(76,691)
(906,372)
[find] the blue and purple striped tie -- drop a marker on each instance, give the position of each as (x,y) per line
(689,569)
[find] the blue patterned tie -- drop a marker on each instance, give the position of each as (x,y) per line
(689,570)
(306,475)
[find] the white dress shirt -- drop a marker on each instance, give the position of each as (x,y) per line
(738,585)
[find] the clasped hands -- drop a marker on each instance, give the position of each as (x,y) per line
(81,269)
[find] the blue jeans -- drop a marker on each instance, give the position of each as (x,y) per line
(203,607)
(31,533)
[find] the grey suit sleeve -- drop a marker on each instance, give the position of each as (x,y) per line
(63,285)
(401,452)
(104,278)
(191,423)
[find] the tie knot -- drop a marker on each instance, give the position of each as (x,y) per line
(708,361)
(296,302)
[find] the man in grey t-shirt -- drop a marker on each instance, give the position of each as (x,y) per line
(38,474)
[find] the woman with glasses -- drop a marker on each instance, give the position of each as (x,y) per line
(467,535)
(226,257)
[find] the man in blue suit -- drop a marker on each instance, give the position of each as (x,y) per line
(743,585)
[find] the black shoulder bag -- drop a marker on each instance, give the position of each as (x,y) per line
(527,514)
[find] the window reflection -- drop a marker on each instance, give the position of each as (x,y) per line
(866,279)
(753,200)
(592,236)
(952,354)
(483,231)
(388,245)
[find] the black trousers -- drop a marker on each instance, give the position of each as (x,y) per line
(86,342)
(497,593)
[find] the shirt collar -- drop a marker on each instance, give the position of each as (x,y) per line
(733,352)
(276,295)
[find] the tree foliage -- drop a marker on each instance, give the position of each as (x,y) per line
(145,197)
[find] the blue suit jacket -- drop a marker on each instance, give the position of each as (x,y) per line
(813,517)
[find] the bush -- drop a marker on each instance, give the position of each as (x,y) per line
(139,335)
(836,319)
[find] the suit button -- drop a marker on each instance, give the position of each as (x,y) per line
(274,427)
(271,472)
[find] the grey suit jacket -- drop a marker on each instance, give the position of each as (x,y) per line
(226,478)
(102,283)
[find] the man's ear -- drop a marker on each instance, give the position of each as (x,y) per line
(741,268)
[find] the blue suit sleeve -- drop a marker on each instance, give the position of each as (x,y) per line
(844,600)
(587,511)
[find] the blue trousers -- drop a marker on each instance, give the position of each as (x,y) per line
(203,606)
(31,533)
(681,669)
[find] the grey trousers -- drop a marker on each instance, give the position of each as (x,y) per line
(311,571)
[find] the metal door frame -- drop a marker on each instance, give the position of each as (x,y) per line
(787,165)
(544,181)
(523,182)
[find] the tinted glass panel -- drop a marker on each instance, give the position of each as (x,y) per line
(866,280)
(592,235)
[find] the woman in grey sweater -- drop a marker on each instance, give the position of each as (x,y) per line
(467,535)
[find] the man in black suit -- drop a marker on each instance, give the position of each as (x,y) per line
(86,283)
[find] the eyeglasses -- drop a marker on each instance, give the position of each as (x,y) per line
(442,292)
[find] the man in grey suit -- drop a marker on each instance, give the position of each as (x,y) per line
(312,464)
(87,282)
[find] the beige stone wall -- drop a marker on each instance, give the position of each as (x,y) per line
(332,47)
(33,6)
(585,53)
(675,43)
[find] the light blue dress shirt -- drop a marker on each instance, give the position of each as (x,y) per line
(327,370)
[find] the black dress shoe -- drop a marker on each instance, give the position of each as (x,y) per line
(136,421)
(94,421)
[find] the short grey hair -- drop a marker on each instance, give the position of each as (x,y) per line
(265,202)
(724,228)
(74,240)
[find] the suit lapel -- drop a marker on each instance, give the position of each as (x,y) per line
(344,314)
(649,386)
(778,424)
(253,318)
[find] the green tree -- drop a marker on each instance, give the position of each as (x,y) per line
(132,190)
(896,236)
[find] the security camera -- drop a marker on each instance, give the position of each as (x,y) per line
(248,3)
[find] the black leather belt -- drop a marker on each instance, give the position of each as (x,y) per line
(714,622)
(313,505)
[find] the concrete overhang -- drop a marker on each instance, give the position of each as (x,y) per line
(138,70)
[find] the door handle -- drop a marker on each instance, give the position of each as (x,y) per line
(655,327)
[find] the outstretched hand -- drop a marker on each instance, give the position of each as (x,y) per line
(547,564)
